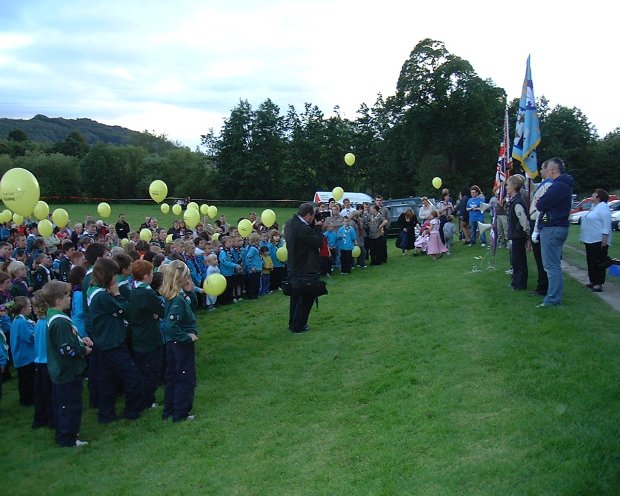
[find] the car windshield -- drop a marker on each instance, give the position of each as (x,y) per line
(396,210)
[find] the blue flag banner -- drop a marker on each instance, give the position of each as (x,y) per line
(527,134)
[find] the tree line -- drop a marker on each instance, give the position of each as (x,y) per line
(443,120)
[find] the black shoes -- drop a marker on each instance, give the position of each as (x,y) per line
(305,329)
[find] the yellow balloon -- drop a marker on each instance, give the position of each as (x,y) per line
(104,209)
(60,217)
(437,182)
(193,205)
(165,208)
(204,209)
(282,254)
(215,236)
(268,217)
(20,191)
(244,227)
(5,216)
(356,252)
(212,211)
(158,190)
(215,284)
(18,219)
(349,159)
(191,217)
(146,234)
(337,193)
(176,209)
(169,238)
(124,242)
(45,228)
(41,210)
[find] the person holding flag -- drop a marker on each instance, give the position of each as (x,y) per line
(542,282)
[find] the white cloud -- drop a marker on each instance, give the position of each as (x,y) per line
(180,67)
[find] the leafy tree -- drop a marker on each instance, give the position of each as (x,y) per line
(100,172)
(17,135)
(267,152)
(58,175)
(153,143)
(74,145)
(451,118)
(306,171)
(567,133)
(601,165)
(233,153)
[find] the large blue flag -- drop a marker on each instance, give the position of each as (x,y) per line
(527,135)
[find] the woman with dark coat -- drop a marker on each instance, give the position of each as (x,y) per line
(407,222)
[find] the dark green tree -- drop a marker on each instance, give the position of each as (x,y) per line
(306,171)
(58,175)
(566,133)
(450,117)
(74,145)
(232,153)
(17,135)
(267,152)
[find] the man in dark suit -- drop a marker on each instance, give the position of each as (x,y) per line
(304,237)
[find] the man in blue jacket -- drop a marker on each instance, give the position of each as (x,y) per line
(554,207)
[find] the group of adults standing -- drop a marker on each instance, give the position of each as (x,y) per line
(545,223)
(548,228)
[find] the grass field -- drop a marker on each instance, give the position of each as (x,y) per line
(135,213)
(417,377)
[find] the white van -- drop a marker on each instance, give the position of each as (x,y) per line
(355,198)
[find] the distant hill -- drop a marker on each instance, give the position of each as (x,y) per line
(45,129)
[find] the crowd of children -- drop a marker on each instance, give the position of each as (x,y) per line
(122,314)
(119,314)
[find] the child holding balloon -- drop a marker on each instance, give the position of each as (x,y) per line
(212,268)
(180,336)
(346,241)
(229,268)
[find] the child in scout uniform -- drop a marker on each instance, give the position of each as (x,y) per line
(107,309)
(66,363)
(180,335)
(144,311)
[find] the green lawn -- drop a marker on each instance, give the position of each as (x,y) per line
(135,213)
(575,252)
(417,377)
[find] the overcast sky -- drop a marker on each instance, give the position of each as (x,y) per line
(179,67)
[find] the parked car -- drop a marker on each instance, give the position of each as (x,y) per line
(397,206)
(615,215)
(586,203)
(615,221)
(575,218)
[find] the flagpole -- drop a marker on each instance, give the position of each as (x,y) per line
(503,169)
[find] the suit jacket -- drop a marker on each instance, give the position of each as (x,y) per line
(303,243)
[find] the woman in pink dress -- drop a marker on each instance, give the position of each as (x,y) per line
(435,247)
